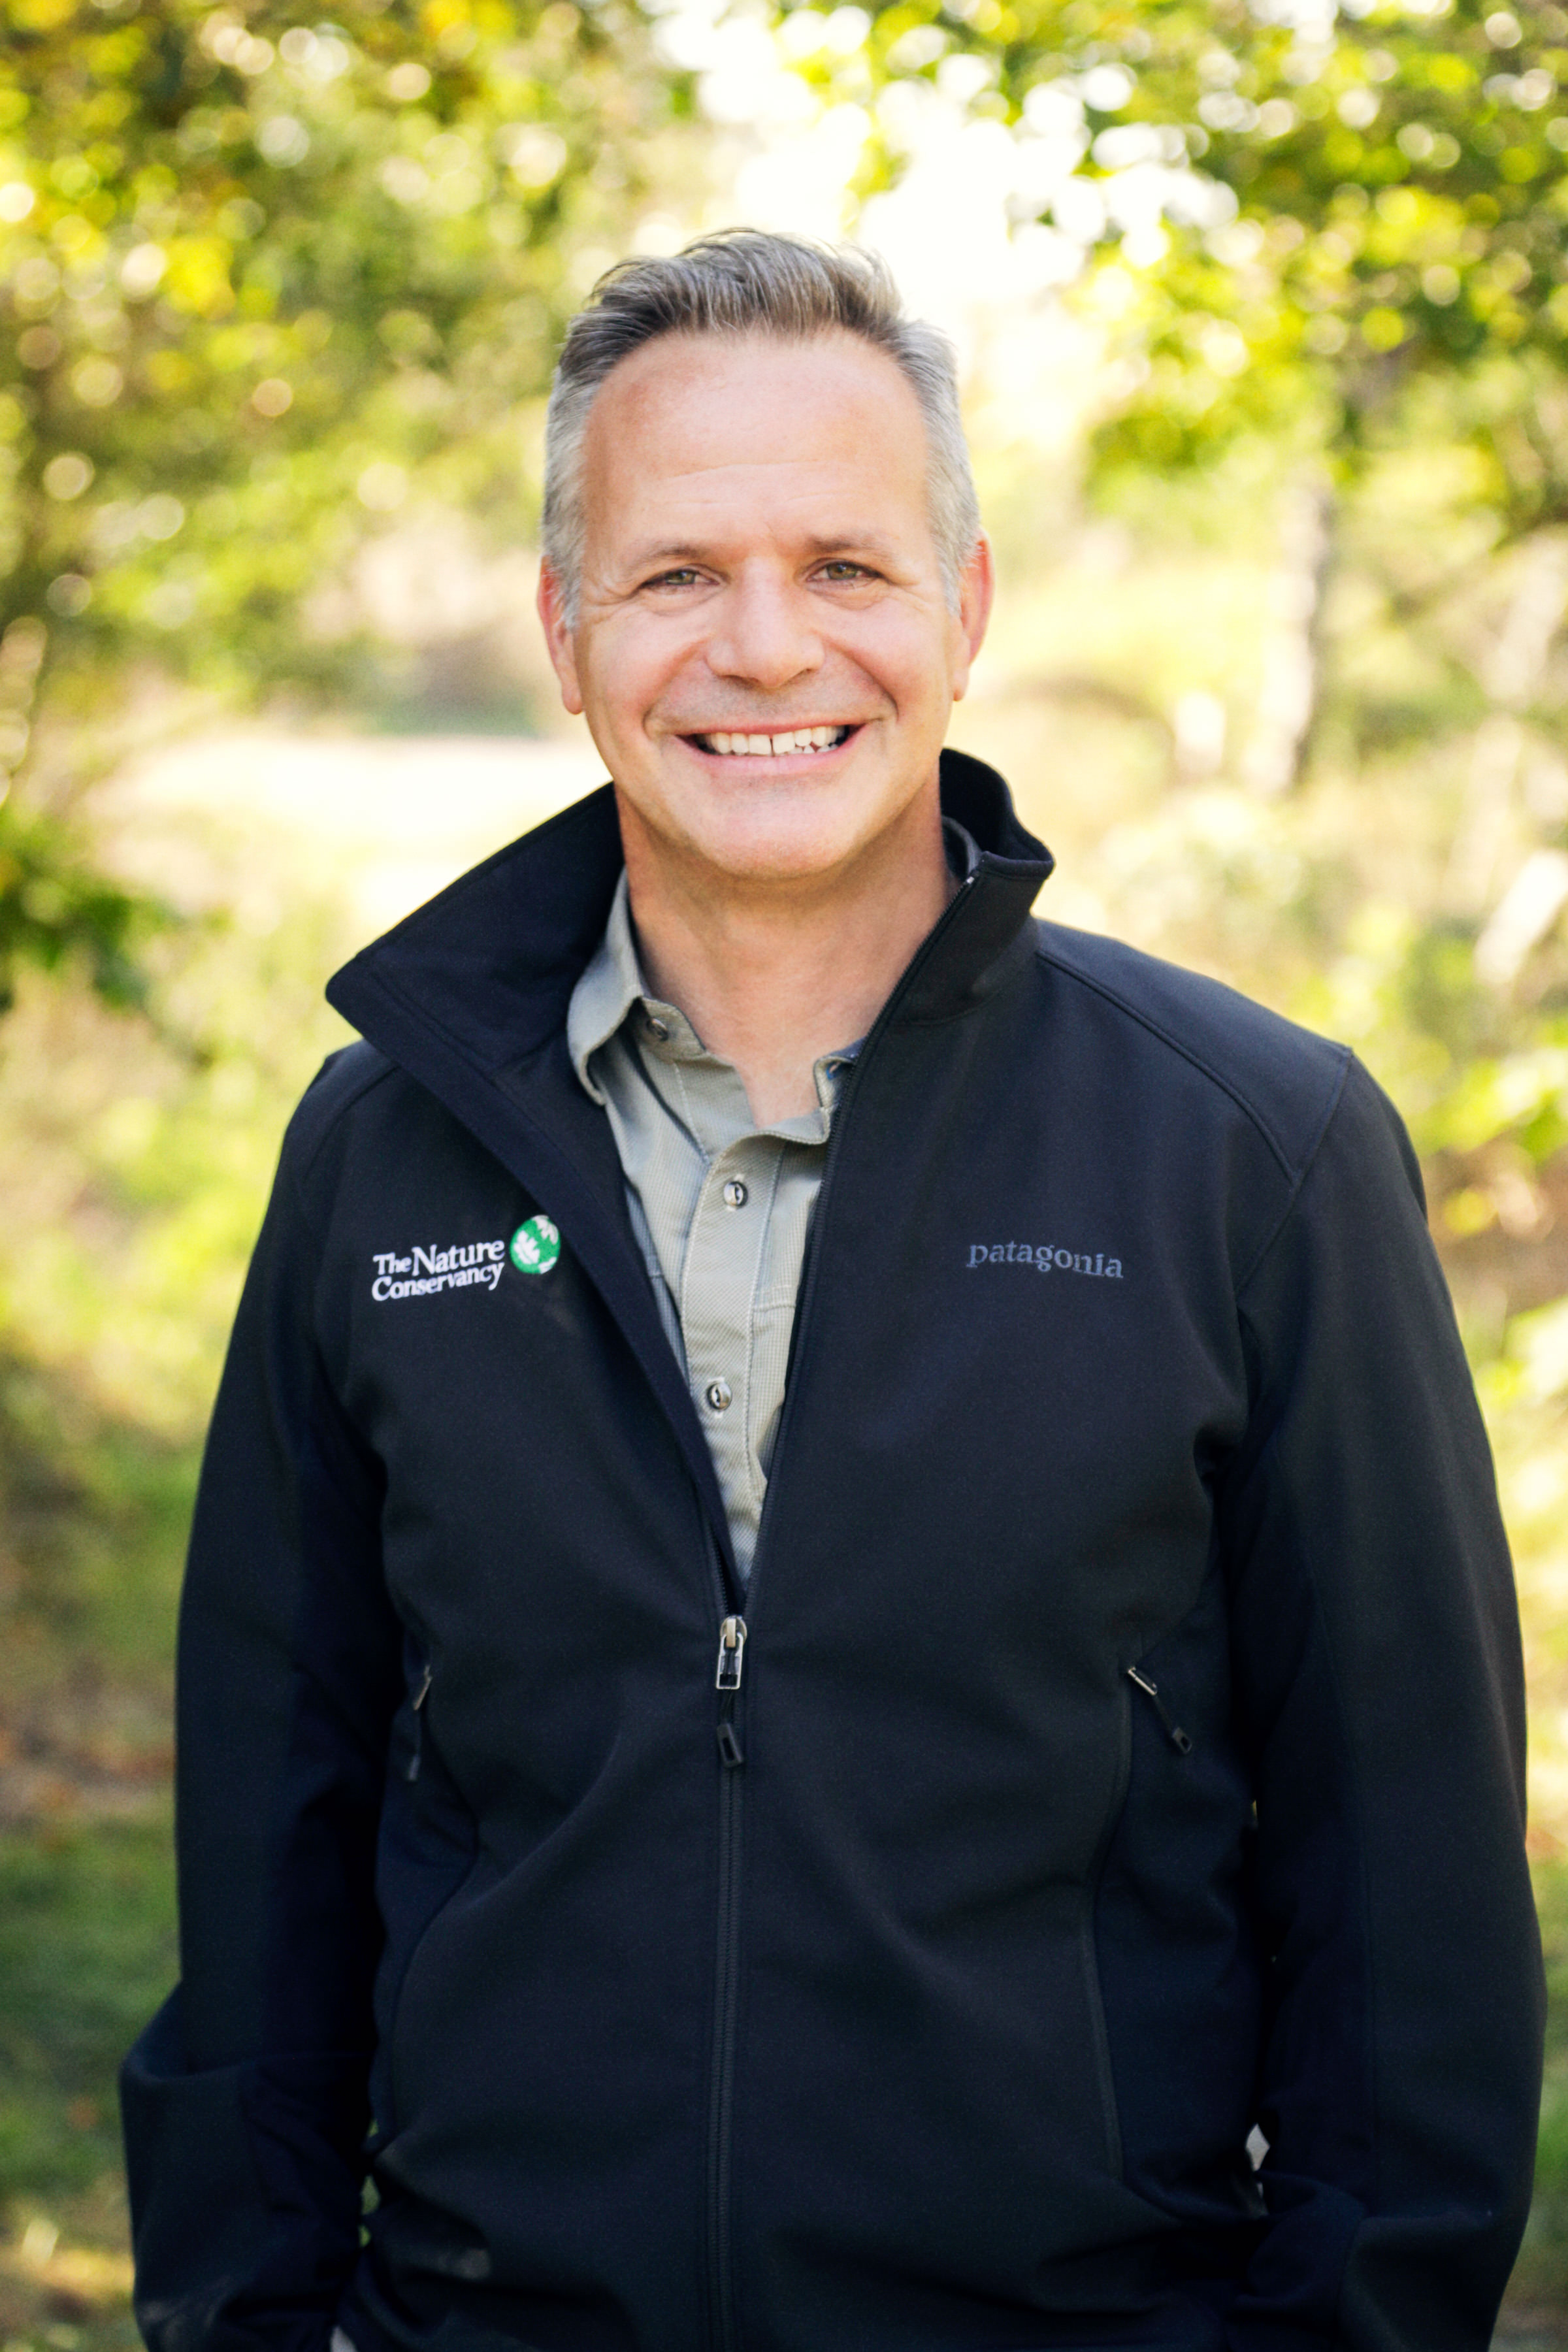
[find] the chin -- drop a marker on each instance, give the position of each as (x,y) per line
(778,846)
(771,860)
(787,837)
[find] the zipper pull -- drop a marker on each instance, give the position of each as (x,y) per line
(1178,1739)
(732,1650)
(416,1703)
(730,1754)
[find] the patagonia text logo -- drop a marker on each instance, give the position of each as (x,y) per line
(466,1265)
(1045,1258)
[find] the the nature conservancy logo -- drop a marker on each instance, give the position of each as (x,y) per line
(535,1246)
(464,1265)
(1045,1258)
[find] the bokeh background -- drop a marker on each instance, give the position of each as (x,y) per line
(1263,312)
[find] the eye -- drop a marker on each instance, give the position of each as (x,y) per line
(841,567)
(682,576)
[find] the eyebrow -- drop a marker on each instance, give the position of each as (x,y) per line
(679,551)
(645,558)
(867,543)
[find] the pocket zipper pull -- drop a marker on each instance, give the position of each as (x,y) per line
(415,1704)
(1178,1739)
(732,1651)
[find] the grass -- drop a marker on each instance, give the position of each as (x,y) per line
(93,1514)
(87,1951)
(87,1907)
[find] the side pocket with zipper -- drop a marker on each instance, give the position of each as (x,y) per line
(1100,2034)
(1179,1739)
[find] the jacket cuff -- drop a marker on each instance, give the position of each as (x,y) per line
(245,2186)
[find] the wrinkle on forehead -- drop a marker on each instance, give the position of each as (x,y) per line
(819,369)
(796,478)
(833,397)
(823,435)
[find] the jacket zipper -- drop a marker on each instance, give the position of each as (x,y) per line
(732,1636)
(1179,1739)
(727,1682)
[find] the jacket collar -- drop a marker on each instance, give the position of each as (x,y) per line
(469,996)
(489,965)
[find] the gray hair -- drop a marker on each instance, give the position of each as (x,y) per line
(746,281)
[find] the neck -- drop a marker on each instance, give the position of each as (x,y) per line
(774,973)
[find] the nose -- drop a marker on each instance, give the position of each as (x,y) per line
(765,633)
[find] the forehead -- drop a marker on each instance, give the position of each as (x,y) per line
(720,424)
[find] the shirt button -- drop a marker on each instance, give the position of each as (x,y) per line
(735,1193)
(658,1030)
(717,1395)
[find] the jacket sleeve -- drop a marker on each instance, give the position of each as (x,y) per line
(245,2102)
(1378,1677)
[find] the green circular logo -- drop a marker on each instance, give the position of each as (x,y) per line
(535,1246)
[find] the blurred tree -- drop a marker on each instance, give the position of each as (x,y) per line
(1380,197)
(54,909)
(265,279)
(1341,232)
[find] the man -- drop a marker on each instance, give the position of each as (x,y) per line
(846,1619)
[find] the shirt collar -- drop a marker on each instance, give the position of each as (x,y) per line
(610,986)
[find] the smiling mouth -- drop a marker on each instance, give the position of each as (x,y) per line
(794,739)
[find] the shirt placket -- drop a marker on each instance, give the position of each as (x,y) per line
(725,1264)
(735,1243)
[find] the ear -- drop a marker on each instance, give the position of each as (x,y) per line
(977,586)
(552,603)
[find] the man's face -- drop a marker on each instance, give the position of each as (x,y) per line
(759,565)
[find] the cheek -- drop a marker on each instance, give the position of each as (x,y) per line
(636,666)
(614,690)
(910,659)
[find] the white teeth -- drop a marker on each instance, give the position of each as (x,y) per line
(797,738)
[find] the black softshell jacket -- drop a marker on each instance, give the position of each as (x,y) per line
(1125,1749)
